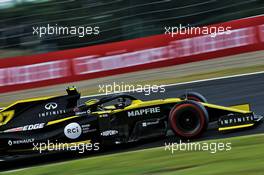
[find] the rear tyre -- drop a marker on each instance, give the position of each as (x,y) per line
(195,96)
(188,119)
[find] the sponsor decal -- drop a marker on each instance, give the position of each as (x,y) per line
(51,106)
(33,127)
(109,133)
(73,131)
(18,142)
(81,113)
(235,119)
(86,129)
(18,129)
(145,124)
(86,126)
(26,128)
(50,113)
(103,115)
(144,111)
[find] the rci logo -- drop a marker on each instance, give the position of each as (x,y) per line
(73,130)
(51,106)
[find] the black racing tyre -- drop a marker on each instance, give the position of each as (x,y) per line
(188,119)
(195,96)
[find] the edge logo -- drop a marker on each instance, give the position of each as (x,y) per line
(144,111)
(26,128)
(50,106)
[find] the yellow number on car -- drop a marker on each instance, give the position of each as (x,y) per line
(6,116)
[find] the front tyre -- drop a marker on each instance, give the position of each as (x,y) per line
(188,119)
(195,96)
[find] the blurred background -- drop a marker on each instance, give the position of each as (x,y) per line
(52,62)
(118,20)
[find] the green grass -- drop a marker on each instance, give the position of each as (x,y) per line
(245,157)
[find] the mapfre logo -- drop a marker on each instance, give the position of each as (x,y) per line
(73,130)
(51,106)
(144,111)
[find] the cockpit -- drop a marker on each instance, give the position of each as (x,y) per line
(119,101)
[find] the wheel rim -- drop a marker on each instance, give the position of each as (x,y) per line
(188,122)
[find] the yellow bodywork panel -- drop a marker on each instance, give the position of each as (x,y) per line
(244,107)
(235,127)
(231,108)
(112,107)
(91,102)
(60,120)
(139,103)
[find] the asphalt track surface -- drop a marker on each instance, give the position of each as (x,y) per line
(226,92)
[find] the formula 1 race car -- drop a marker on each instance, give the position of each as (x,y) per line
(121,118)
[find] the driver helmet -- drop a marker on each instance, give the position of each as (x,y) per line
(121,103)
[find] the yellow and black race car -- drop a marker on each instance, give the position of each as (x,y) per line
(29,125)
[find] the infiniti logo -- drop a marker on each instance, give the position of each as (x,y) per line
(51,105)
